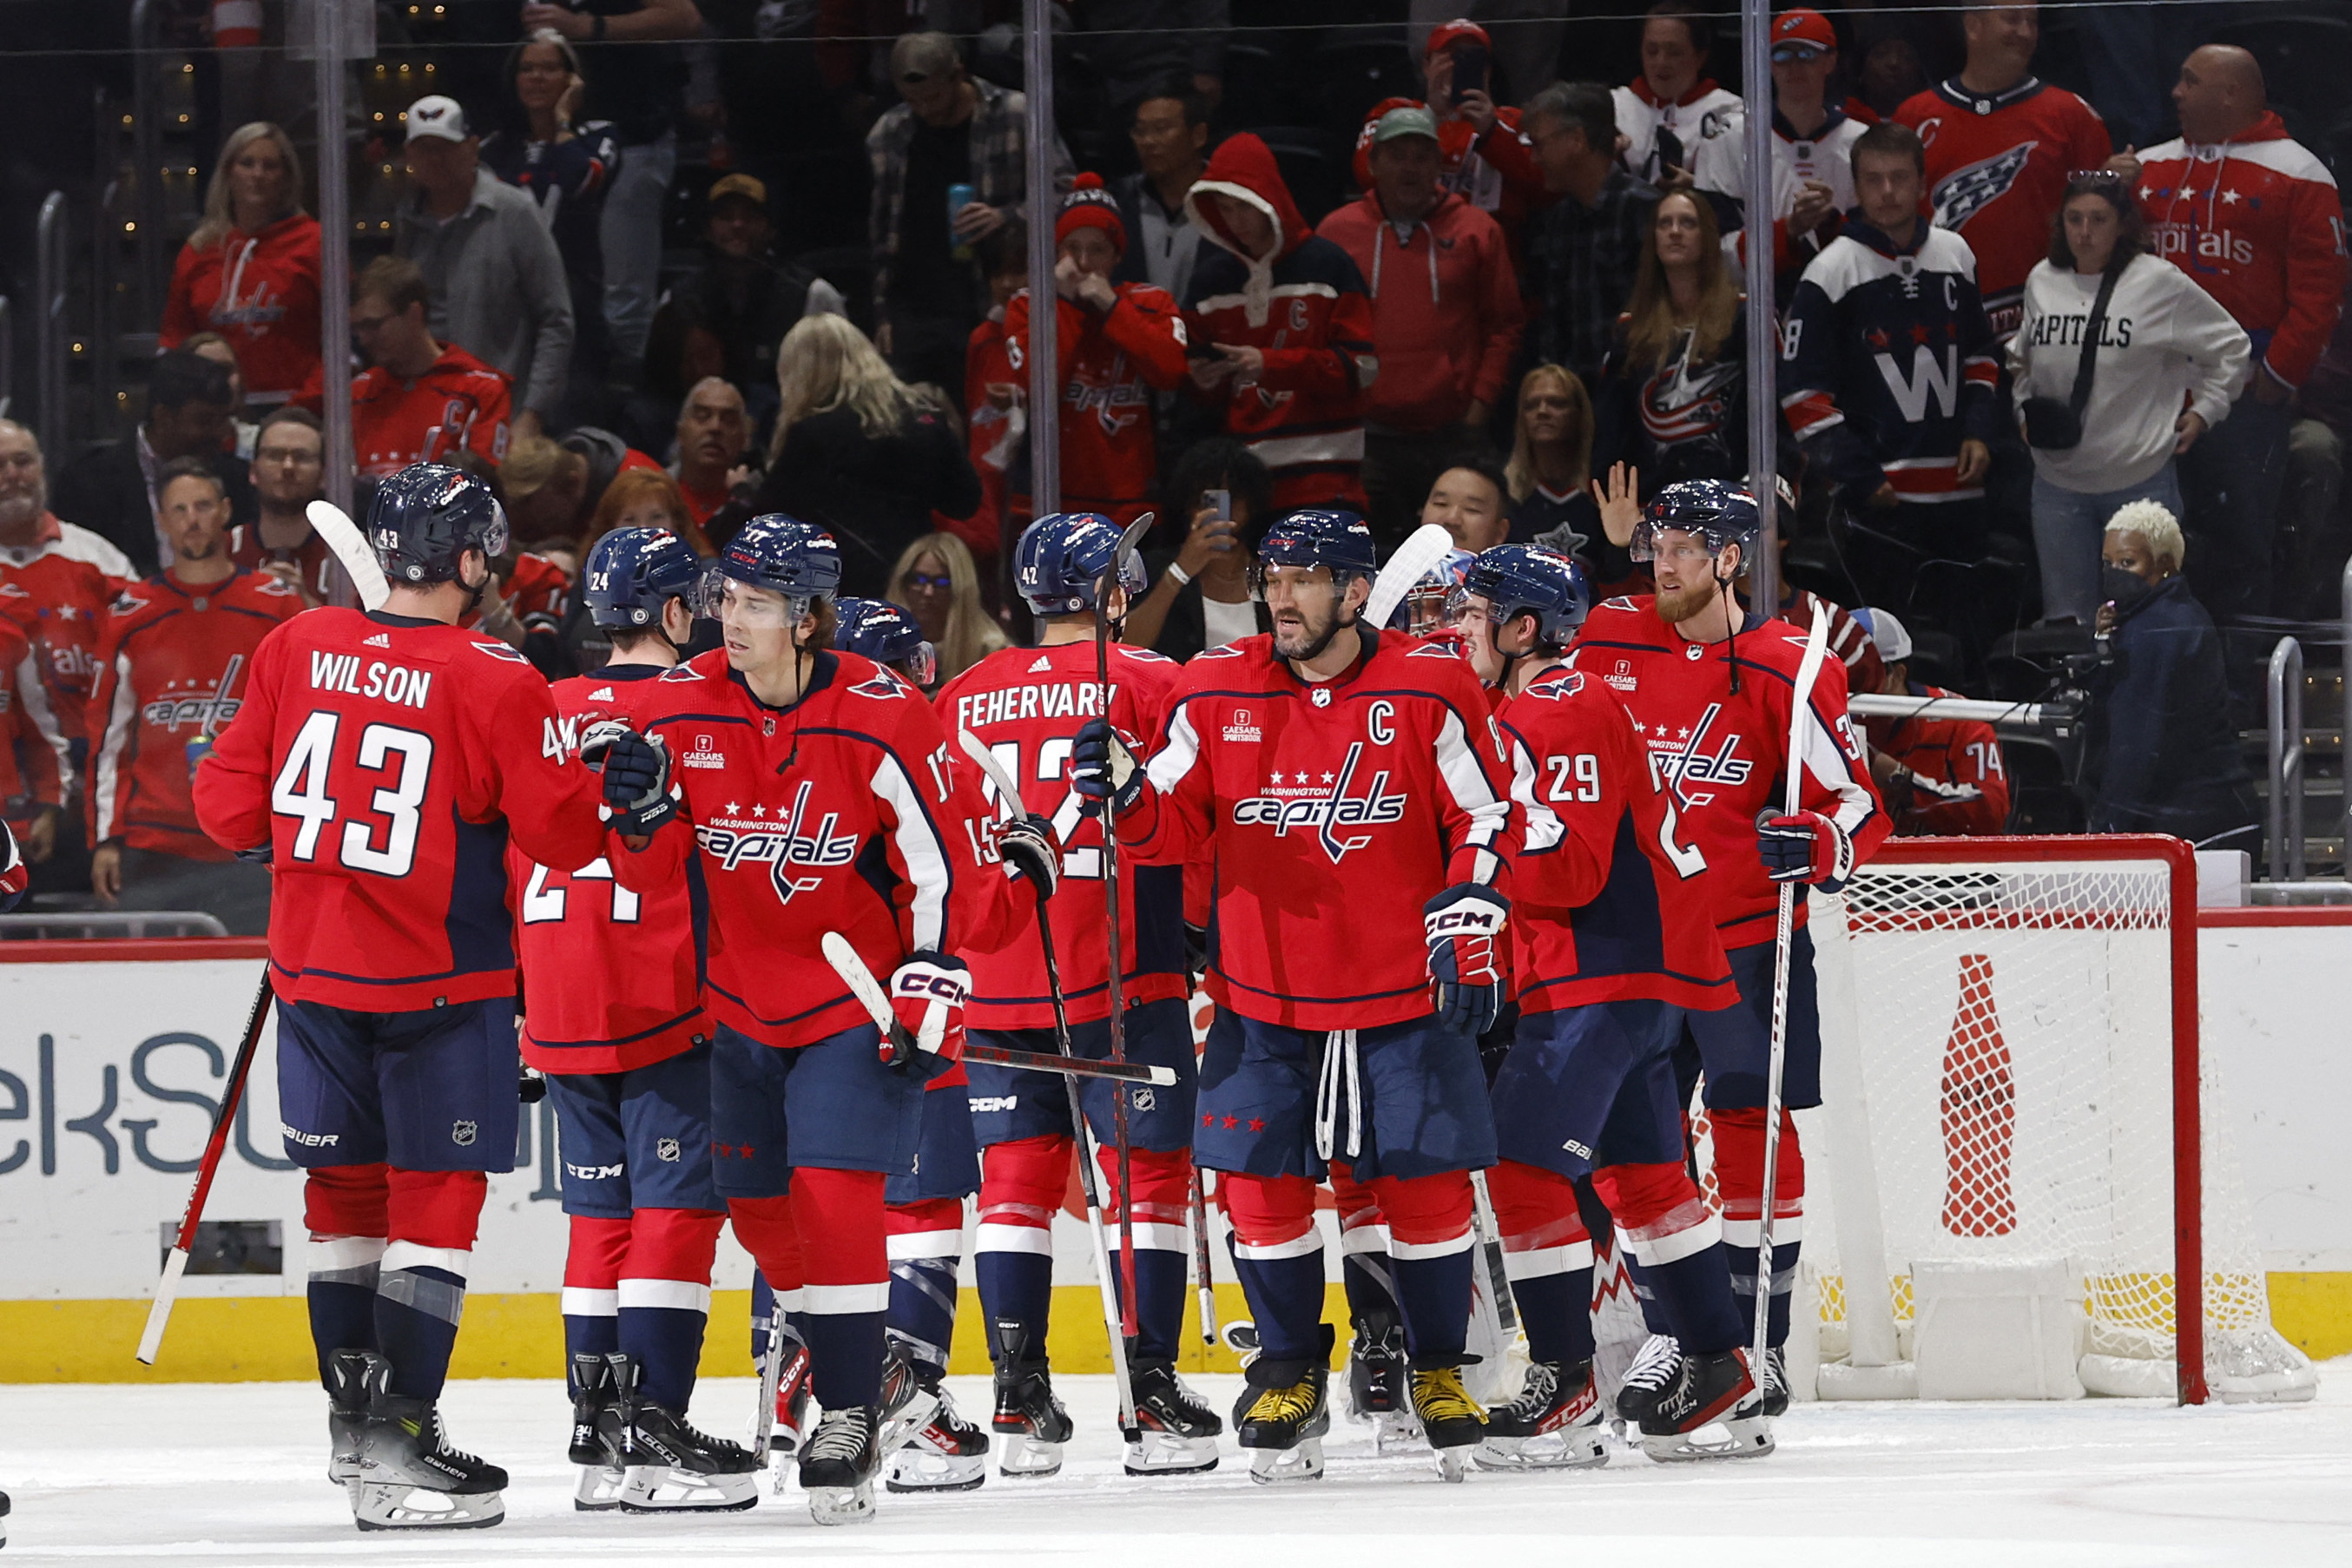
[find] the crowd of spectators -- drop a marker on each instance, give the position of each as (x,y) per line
(2049,381)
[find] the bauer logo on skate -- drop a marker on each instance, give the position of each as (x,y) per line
(1304,804)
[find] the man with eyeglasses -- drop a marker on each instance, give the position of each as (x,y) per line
(420,400)
(289,469)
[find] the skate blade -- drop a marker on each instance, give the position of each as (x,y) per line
(1167,1454)
(661,1489)
(842,1505)
(1393,1430)
(1028,1459)
(598,1488)
(1746,1438)
(1281,1467)
(907,1425)
(396,1505)
(1580,1450)
(783,1471)
(921,1469)
(1453,1464)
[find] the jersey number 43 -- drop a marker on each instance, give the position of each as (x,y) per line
(403,756)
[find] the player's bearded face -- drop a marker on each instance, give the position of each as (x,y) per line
(1304,604)
(1685,570)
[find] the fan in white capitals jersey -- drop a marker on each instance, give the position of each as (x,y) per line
(1712,688)
(1337,776)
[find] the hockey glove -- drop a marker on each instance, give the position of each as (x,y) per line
(1464,926)
(1103,768)
(1806,848)
(927,992)
(636,776)
(14,873)
(1027,845)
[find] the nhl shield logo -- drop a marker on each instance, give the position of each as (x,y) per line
(461,1133)
(667,1150)
(1142,1098)
(1322,697)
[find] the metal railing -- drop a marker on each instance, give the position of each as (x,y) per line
(49,325)
(2286,803)
(77,924)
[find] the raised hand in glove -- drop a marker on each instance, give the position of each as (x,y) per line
(1464,926)
(1103,768)
(636,776)
(1805,848)
(1028,845)
(928,994)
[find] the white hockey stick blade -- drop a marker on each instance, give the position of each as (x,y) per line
(1416,558)
(159,1315)
(858,978)
(343,537)
(1008,794)
(1808,669)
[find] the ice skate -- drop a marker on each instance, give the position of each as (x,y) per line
(1708,1389)
(838,1464)
(1450,1418)
(1553,1424)
(1179,1431)
(1377,1394)
(595,1435)
(1283,1414)
(909,1401)
(1031,1421)
(410,1478)
(945,1454)
(1647,1380)
(667,1466)
(347,1409)
(791,1421)
(1775,1382)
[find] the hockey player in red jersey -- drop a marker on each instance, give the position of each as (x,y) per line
(1938,775)
(1609,951)
(819,794)
(613,1016)
(381,763)
(1337,774)
(1711,688)
(1027,704)
(1118,344)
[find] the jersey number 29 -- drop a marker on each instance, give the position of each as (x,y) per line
(301,791)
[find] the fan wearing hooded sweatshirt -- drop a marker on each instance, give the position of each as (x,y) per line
(1289,327)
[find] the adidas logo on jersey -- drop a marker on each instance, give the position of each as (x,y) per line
(1042,663)
(602,694)
(379,640)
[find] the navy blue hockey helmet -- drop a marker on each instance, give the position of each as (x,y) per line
(1063,555)
(423,519)
(632,572)
(1720,513)
(888,634)
(784,556)
(1429,607)
(1527,579)
(1316,537)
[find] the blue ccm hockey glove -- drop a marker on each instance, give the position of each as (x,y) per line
(1464,926)
(1102,768)
(1806,848)
(636,776)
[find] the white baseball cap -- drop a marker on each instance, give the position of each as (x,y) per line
(437,116)
(1886,635)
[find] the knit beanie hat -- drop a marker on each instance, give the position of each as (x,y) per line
(1089,204)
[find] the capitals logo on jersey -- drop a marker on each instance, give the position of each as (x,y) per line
(778,845)
(1326,806)
(1964,193)
(1693,763)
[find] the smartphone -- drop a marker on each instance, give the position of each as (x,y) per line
(1222,501)
(1470,64)
(1200,351)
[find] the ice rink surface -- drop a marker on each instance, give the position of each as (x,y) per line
(233,1474)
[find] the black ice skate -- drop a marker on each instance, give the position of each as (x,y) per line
(838,1462)
(1708,1389)
(1451,1419)
(1284,1414)
(410,1478)
(1179,1431)
(1030,1419)
(347,1411)
(595,1435)
(1377,1380)
(790,1424)
(1647,1380)
(1553,1424)
(1775,1382)
(930,1445)
(667,1466)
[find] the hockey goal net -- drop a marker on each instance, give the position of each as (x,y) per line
(2025,1016)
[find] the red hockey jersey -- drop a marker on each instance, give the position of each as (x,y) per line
(172,666)
(386,763)
(1724,753)
(258,290)
(35,768)
(845,812)
(59,601)
(1333,812)
(1112,361)
(1964,751)
(1997,167)
(1602,907)
(611,979)
(1027,705)
(459,404)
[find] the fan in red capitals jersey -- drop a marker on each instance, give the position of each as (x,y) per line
(1117,343)
(819,794)
(614,1018)
(1712,689)
(173,663)
(420,400)
(1336,774)
(56,580)
(36,768)
(1938,775)
(1609,953)
(1027,704)
(381,764)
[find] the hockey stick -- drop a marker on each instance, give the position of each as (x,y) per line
(771,1373)
(1008,797)
(1111,577)
(175,1263)
(1201,1256)
(1800,707)
(334,526)
(1416,558)
(1490,1247)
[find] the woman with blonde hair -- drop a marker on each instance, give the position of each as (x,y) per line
(1673,395)
(859,453)
(250,271)
(937,579)
(1552,459)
